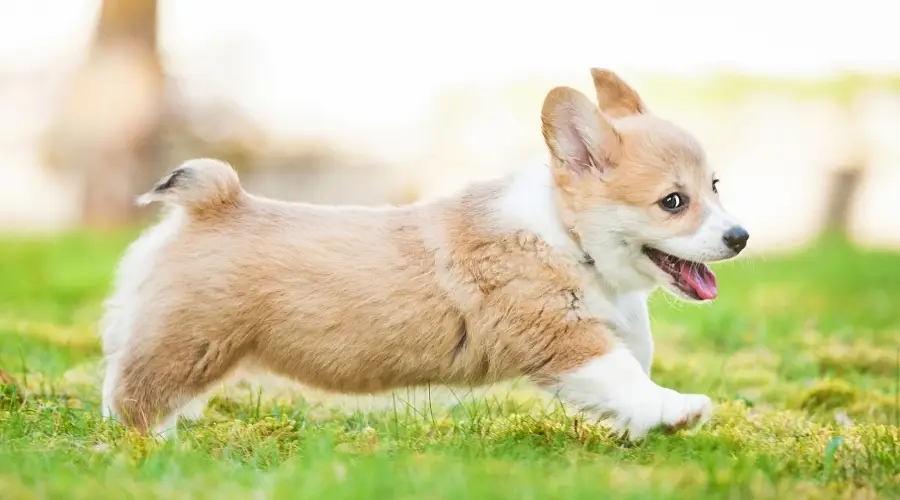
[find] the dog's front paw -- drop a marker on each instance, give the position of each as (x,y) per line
(659,408)
(686,410)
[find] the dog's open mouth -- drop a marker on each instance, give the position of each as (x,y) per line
(695,279)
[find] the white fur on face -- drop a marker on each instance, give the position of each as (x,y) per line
(608,233)
(707,243)
(615,386)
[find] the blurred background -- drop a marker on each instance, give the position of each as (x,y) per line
(347,101)
(371,102)
(342,101)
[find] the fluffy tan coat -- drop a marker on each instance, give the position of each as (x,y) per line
(511,277)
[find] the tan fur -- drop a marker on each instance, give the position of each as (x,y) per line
(351,300)
(361,300)
(614,96)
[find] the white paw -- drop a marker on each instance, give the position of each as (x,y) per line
(658,408)
(616,386)
(685,410)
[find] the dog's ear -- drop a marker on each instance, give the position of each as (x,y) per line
(577,133)
(614,96)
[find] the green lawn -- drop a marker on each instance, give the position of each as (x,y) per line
(801,352)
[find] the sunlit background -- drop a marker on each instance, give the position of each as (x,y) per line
(343,101)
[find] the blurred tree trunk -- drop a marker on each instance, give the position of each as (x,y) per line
(842,199)
(848,176)
(109,128)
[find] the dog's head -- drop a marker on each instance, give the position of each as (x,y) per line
(636,191)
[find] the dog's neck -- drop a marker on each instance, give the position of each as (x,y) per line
(530,203)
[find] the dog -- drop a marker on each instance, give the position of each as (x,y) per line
(543,273)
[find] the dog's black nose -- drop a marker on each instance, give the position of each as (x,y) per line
(736,238)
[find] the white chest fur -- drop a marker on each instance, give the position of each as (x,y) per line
(635,331)
(627,315)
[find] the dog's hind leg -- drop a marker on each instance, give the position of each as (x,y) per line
(157,383)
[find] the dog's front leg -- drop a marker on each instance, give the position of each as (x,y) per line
(614,385)
(634,328)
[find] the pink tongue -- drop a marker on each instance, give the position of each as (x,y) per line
(700,278)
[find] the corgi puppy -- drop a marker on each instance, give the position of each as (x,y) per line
(544,273)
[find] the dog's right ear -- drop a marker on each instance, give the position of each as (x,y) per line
(577,133)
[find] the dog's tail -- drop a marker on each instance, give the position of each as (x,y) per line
(197,184)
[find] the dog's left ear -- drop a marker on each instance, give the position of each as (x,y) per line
(615,98)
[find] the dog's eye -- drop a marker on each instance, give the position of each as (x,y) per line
(673,202)
(715,185)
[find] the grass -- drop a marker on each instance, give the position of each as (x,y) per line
(801,353)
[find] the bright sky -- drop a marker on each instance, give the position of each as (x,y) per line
(325,59)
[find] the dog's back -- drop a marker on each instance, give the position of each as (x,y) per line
(344,298)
